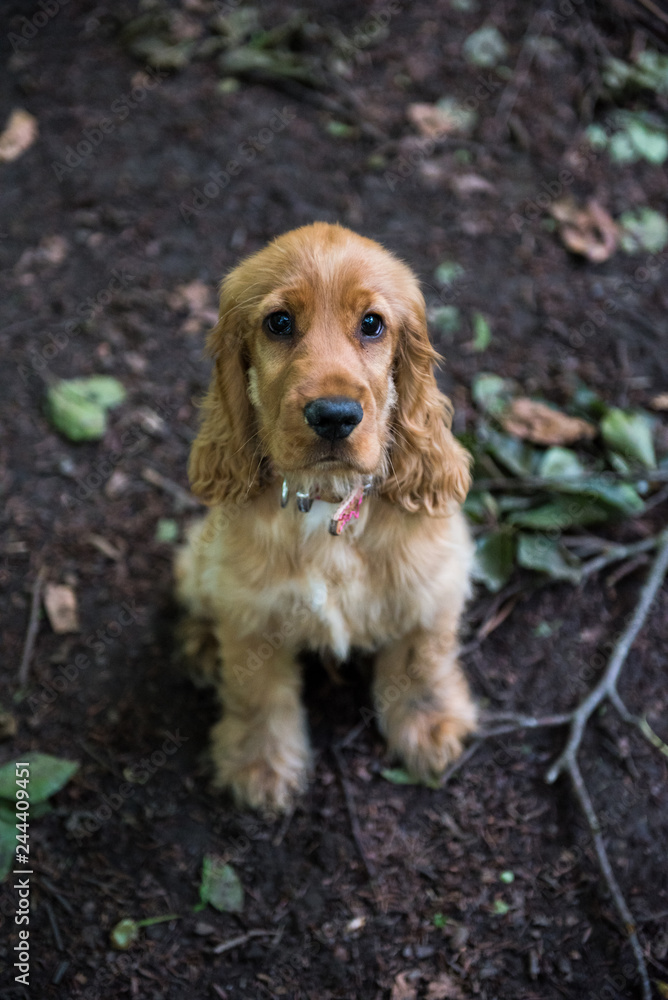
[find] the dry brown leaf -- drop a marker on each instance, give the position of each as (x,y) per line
(471,184)
(432,121)
(660,402)
(444,988)
(20,133)
(60,602)
(196,298)
(539,423)
(402,989)
(589,231)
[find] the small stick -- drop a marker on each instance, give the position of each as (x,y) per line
(33,626)
(604,862)
(240,939)
(608,682)
(182,497)
(54,926)
(618,552)
(352,815)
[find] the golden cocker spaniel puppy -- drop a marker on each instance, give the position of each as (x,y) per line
(326,456)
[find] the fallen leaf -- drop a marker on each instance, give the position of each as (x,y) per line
(78,407)
(60,602)
(47,776)
(444,118)
(643,229)
(630,434)
(402,989)
(220,886)
(494,559)
(589,231)
(486,47)
(471,184)
(660,402)
(20,133)
(444,988)
(482,333)
(537,422)
(194,296)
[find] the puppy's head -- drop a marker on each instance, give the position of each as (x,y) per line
(324,374)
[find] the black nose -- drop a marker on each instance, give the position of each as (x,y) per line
(333,417)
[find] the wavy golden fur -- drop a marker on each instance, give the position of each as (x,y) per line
(262,583)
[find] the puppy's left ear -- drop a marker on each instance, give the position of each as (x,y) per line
(429,468)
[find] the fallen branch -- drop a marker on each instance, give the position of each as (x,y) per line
(577,719)
(352,815)
(33,626)
(240,939)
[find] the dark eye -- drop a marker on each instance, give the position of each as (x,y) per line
(372,325)
(279,324)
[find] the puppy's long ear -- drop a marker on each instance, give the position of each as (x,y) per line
(429,467)
(221,459)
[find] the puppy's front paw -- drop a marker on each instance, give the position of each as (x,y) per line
(260,770)
(428,739)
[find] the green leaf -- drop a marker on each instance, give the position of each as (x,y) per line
(101,389)
(77,407)
(494,558)
(486,47)
(561,513)
(124,934)
(499,909)
(446,319)
(480,506)
(448,272)
(511,452)
(650,143)
(482,332)
(547,556)
(630,434)
(47,776)
(221,886)
(340,130)
(560,463)
(398,776)
(491,393)
(166,530)
(7,848)
(507,877)
(644,229)
(439,920)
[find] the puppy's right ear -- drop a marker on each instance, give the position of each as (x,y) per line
(221,459)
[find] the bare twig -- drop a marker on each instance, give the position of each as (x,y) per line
(183,499)
(615,553)
(604,862)
(240,939)
(33,626)
(505,722)
(352,815)
(608,682)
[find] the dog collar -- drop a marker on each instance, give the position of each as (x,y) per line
(348,508)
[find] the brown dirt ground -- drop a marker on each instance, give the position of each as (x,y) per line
(434,852)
